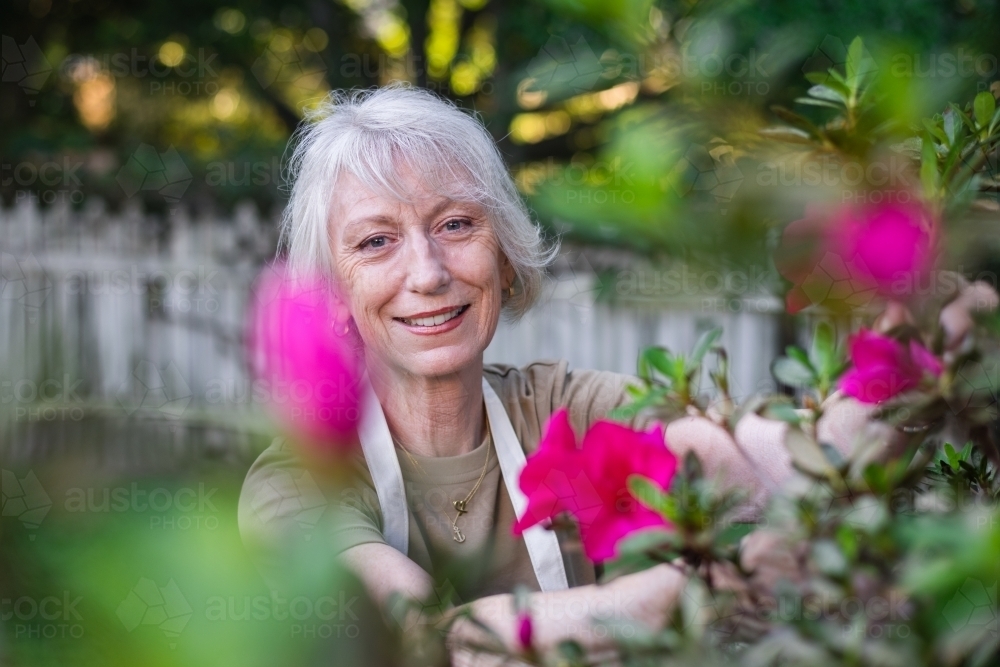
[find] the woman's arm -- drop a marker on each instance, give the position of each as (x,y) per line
(596,616)
(587,614)
(385,571)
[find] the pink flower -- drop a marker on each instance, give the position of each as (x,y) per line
(891,242)
(310,374)
(590,482)
(846,257)
(884,367)
(524,630)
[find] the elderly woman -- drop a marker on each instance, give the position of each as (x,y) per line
(405,201)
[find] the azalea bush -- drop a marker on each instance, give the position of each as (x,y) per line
(885,551)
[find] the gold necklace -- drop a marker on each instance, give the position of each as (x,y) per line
(461,505)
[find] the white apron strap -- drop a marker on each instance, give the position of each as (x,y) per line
(380,455)
(543,545)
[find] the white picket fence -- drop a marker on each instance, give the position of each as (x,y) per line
(135,311)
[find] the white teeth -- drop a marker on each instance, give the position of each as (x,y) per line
(432,321)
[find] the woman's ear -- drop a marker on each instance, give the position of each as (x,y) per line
(339,303)
(507,272)
(341,311)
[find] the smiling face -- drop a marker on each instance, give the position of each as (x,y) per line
(422,280)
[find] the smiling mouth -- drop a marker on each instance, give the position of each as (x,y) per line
(433,320)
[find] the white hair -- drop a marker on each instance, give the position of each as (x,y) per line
(373,134)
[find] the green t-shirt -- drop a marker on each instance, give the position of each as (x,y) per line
(282,502)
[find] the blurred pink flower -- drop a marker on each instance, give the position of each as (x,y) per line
(846,257)
(883,367)
(524,630)
(311,374)
(590,482)
(892,242)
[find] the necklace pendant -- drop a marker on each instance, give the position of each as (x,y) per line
(459,536)
(460,506)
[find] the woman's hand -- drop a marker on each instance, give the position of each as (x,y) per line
(585,614)
(591,615)
(756,461)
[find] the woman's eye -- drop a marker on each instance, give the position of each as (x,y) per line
(455,225)
(375,242)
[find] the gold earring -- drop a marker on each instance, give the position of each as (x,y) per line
(510,291)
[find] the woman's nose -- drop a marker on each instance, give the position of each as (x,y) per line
(427,272)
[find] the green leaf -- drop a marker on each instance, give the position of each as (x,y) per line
(806,453)
(704,344)
(817,78)
(650,495)
(733,533)
(782,411)
(658,358)
(966,120)
(837,76)
(793,372)
(840,88)
(950,125)
(818,103)
(936,131)
(692,469)
(679,370)
(875,476)
(822,354)
(799,355)
(929,168)
(966,453)
(571,652)
(645,399)
(833,455)
(790,135)
(951,454)
(827,93)
(852,68)
(824,339)
(848,541)
(983,107)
